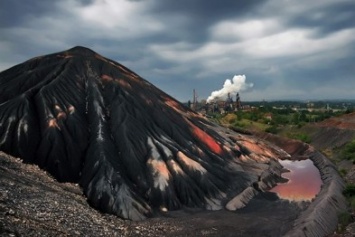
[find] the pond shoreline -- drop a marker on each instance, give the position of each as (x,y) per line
(321,216)
(303,181)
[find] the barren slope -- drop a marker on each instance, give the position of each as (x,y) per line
(134,150)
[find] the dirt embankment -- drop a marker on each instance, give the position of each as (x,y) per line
(330,137)
(321,217)
(324,138)
(346,121)
(332,133)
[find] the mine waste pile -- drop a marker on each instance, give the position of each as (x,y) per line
(138,153)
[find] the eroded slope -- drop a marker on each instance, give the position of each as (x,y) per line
(134,149)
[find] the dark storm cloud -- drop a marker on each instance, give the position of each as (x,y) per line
(209,11)
(339,72)
(326,20)
(191,20)
(285,48)
(15,12)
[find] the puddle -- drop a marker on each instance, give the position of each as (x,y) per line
(304,181)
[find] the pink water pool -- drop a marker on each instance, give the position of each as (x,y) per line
(304,181)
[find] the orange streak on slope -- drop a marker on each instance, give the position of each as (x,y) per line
(190,162)
(160,168)
(173,104)
(52,123)
(64,56)
(106,77)
(206,139)
(199,133)
(124,83)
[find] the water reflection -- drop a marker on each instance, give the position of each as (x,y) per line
(304,181)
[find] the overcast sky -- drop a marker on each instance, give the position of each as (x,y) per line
(288,49)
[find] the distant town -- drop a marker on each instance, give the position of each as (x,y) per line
(236,104)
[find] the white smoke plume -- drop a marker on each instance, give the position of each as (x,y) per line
(233,86)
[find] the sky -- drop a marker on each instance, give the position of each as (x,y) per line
(288,50)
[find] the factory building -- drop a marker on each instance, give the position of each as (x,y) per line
(217,106)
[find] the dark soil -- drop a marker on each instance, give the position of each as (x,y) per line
(34,204)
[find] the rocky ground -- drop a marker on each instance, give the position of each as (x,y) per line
(34,204)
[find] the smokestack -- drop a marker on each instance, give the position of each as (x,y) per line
(233,86)
(194,101)
(238,103)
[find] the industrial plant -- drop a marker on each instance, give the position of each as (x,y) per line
(217,105)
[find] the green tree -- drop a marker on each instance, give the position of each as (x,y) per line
(239,115)
(349,151)
(303,116)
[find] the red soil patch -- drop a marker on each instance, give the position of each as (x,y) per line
(346,121)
